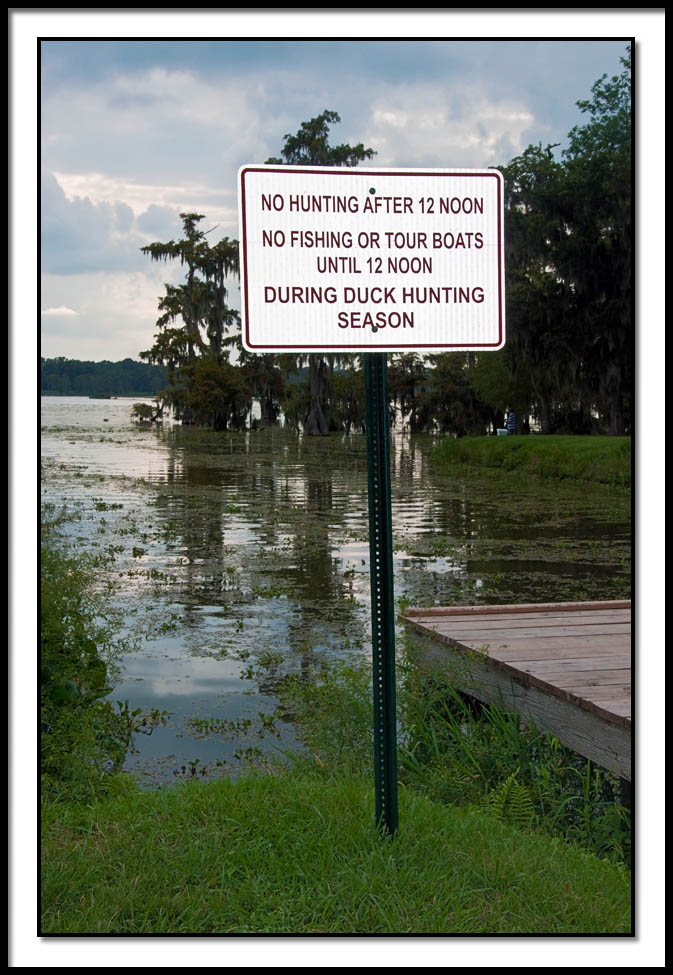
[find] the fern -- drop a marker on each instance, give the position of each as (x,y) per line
(511,802)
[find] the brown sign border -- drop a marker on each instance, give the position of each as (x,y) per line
(379,347)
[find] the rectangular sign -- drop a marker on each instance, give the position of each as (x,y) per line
(371,260)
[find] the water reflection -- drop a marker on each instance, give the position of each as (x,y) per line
(243,557)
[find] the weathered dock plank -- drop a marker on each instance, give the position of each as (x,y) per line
(565,665)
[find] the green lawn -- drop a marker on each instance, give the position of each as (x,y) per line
(298,854)
(599,460)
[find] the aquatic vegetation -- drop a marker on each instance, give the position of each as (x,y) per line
(248,553)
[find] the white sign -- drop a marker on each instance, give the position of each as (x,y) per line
(355,260)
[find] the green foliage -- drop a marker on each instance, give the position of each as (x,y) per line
(215,394)
(296,403)
(196,324)
(143,412)
(80,735)
(569,268)
(84,737)
(456,750)
(344,397)
(498,383)
(408,379)
(334,716)
(511,802)
(347,402)
(310,146)
(266,382)
(448,401)
(599,166)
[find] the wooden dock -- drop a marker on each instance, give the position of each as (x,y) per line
(565,665)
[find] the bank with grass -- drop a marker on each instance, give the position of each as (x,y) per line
(577,460)
(298,854)
(295,850)
(501,830)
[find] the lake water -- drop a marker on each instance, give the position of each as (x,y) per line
(241,557)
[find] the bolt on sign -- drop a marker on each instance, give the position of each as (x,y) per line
(371,260)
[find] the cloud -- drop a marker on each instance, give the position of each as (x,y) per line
(60,312)
(79,235)
(158,222)
(117,311)
(174,138)
(99,188)
(152,125)
(425,126)
(91,222)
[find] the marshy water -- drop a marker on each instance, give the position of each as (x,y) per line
(235,559)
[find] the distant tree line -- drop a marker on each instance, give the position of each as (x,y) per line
(70,377)
(568,360)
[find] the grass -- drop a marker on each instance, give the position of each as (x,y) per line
(581,459)
(299,854)
(460,752)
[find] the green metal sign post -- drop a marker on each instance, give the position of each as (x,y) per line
(382,591)
(305,233)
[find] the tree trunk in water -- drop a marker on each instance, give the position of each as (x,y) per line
(616,416)
(267,408)
(545,415)
(317,422)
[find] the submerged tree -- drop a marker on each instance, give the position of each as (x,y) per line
(196,324)
(310,147)
(266,380)
(407,379)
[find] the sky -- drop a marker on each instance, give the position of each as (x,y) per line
(135,131)
(126,132)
